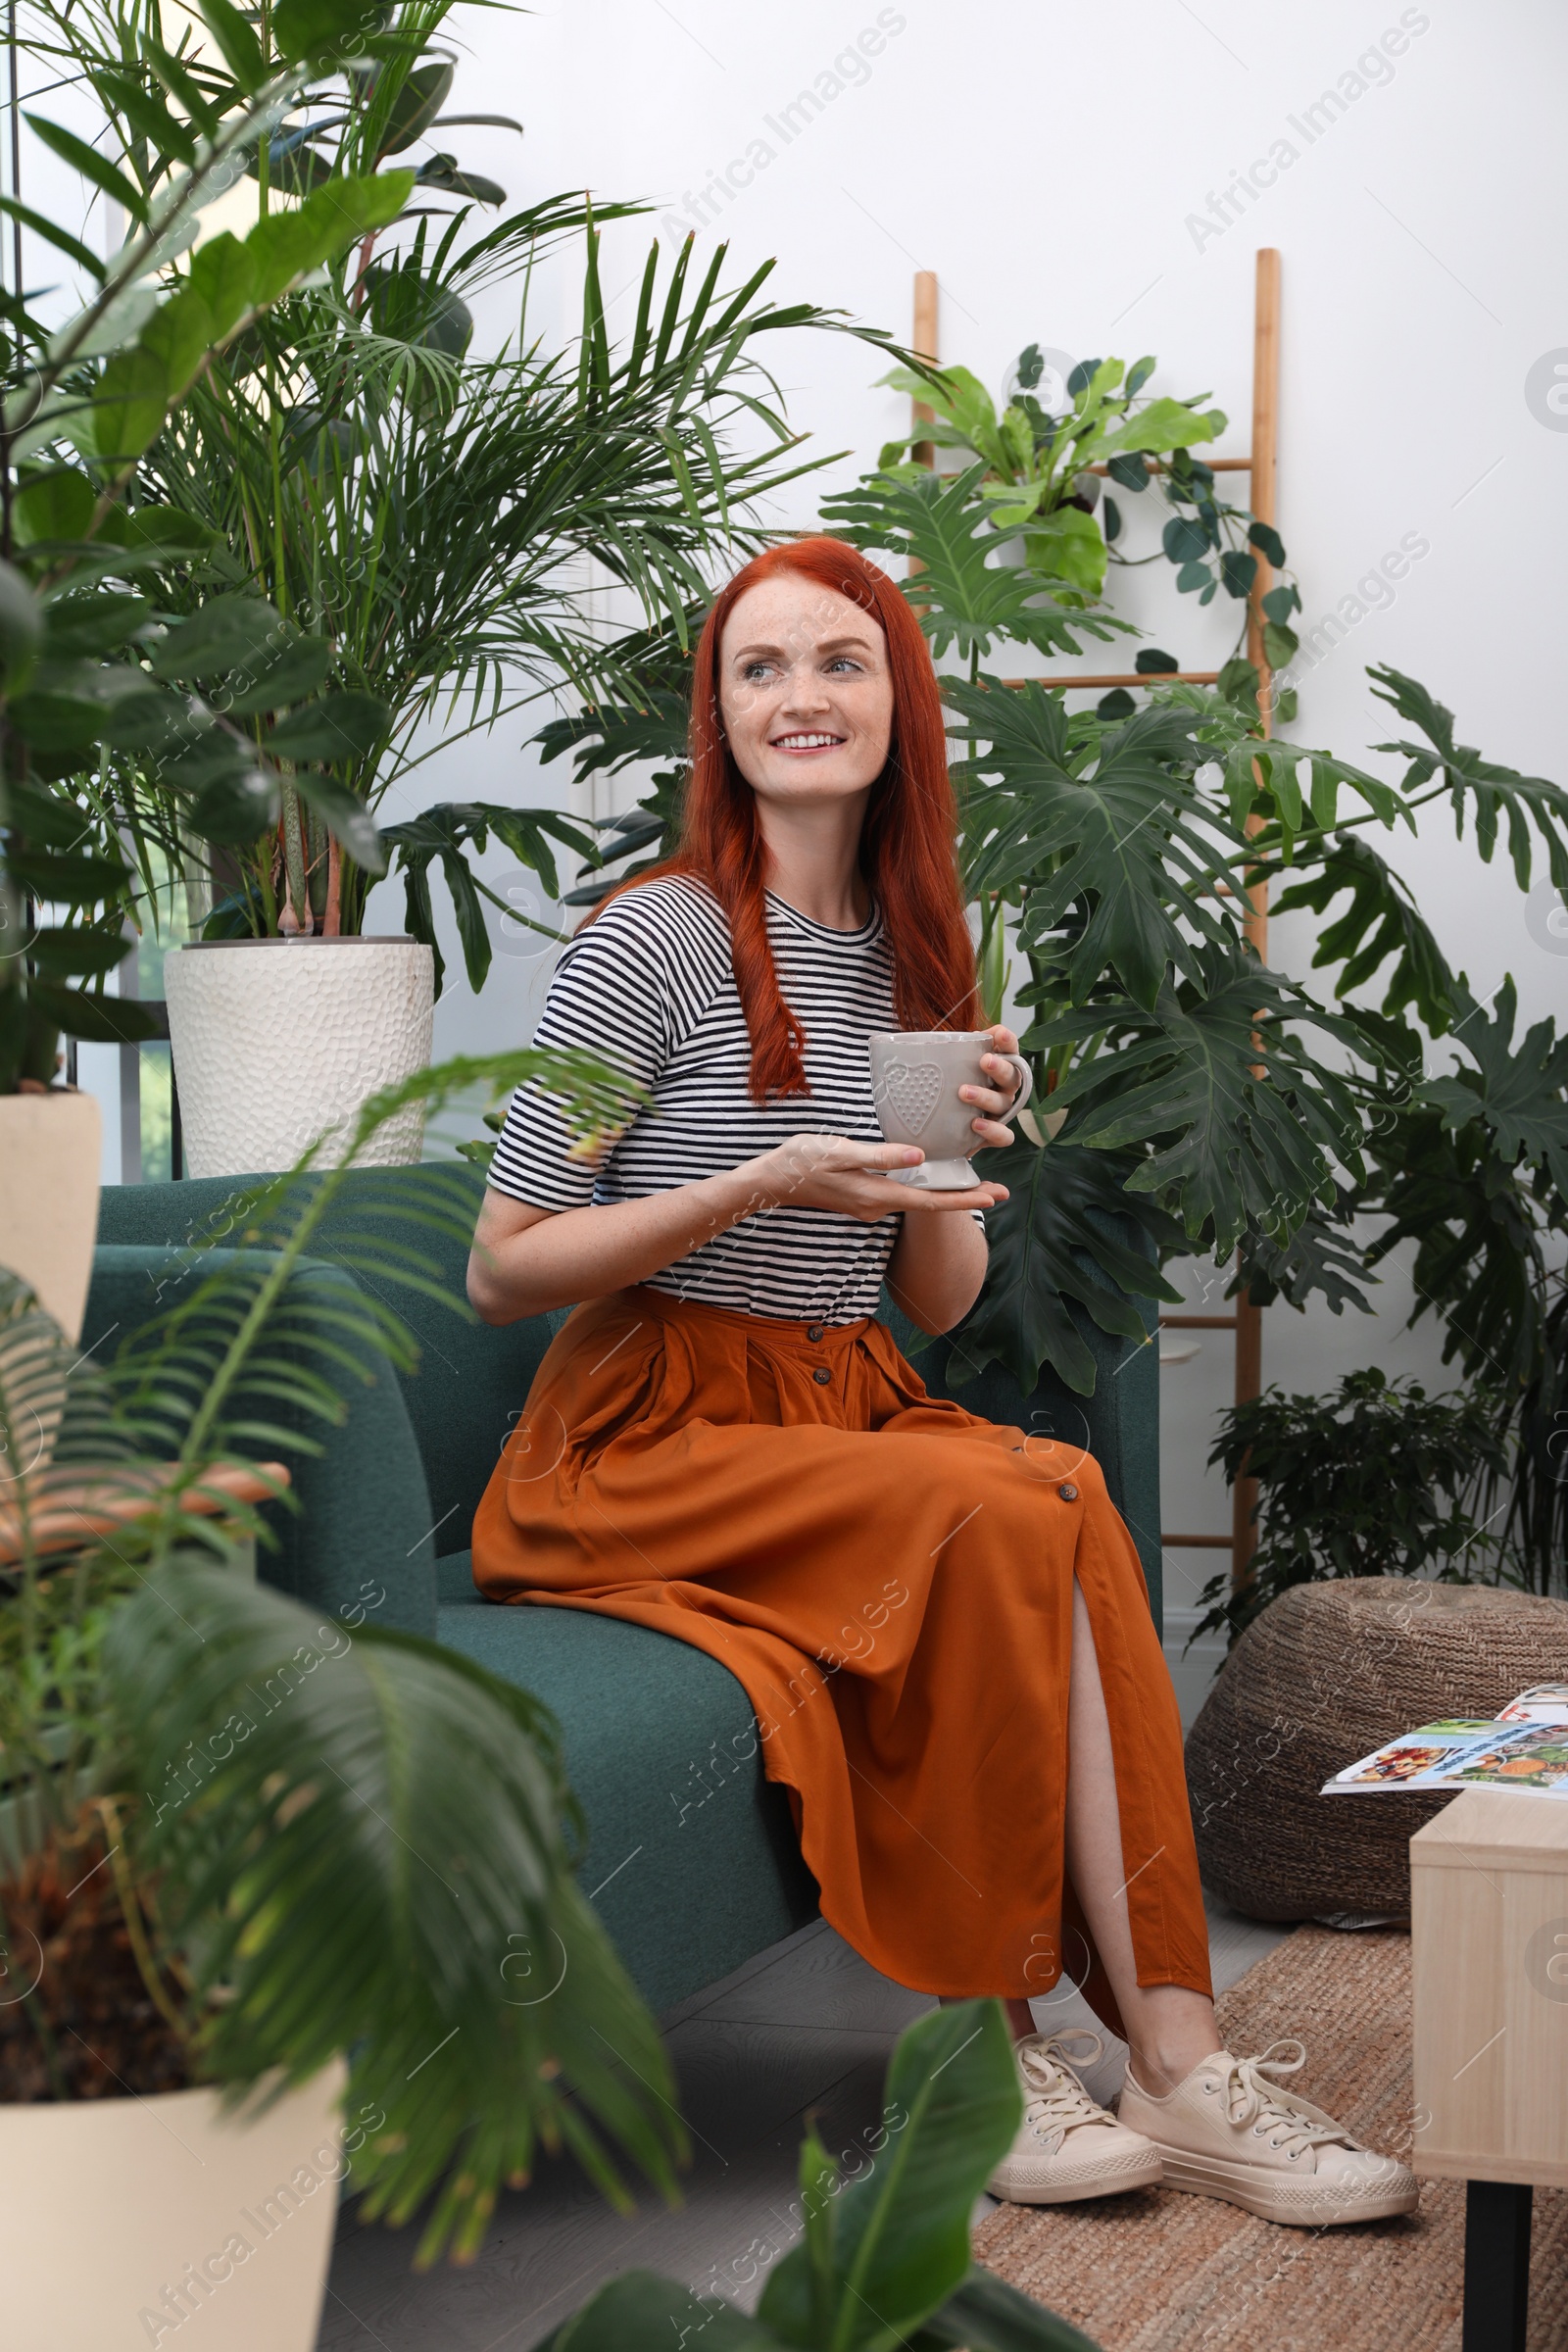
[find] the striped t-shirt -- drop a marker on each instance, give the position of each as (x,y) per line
(648,984)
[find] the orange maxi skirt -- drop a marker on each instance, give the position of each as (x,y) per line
(890,1579)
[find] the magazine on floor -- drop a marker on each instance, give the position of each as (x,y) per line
(1525,1747)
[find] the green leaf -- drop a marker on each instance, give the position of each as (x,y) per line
(1162,425)
(20,630)
(446,832)
(301,669)
(1067,546)
(236,805)
(1520,1092)
(93,622)
(223,273)
(76,952)
(340,726)
(146,113)
(1280,602)
(442,172)
(57,504)
(901,2233)
(1226,1149)
(241,49)
(966,601)
(90,164)
(640,2309)
(287,246)
(1381,922)
(53,234)
(416,105)
(97,1020)
(1151,662)
(311,1861)
(1238,572)
(345,817)
(1120,831)
(1490,796)
(1184,540)
(1267,541)
(984,2314)
(1280,646)
(227,632)
(325,28)
(1064,1206)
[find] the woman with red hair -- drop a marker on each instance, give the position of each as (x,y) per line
(941,1624)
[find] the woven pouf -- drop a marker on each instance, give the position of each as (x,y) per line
(1326,1674)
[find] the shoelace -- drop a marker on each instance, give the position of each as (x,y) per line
(1055,2098)
(1251,2098)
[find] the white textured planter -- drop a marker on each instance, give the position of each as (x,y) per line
(276,1040)
(49,1155)
(133,2222)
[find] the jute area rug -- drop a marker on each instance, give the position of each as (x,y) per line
(1157,2270)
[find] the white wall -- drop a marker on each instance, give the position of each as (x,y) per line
(1056,166)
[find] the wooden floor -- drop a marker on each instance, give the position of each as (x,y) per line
(806,2025)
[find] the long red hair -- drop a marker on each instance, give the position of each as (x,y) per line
(908,845)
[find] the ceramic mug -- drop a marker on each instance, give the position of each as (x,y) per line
(916,1077)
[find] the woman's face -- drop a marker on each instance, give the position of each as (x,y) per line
(804,692)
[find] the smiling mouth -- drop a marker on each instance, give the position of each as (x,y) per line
(806,743)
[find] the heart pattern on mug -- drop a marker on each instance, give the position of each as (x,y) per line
(912,1092)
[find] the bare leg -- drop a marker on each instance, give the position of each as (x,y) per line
(1169,2028)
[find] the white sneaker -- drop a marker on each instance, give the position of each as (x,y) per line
(1067,2148)
(1227,2130)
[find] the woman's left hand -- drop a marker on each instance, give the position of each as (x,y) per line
(994,1101)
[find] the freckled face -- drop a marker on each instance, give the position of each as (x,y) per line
(805,690)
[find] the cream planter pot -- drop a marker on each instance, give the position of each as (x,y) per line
(276,1040)
(161,2220)
(49,1155)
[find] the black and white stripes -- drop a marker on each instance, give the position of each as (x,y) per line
(648,984)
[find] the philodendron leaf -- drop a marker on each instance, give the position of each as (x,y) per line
(1243,1126)
(1521,1092)
(900,2242)
(1064,1205)
(1125,833)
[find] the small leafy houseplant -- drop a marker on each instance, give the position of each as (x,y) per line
(1373,1479)
(241,1841)
(883,2259)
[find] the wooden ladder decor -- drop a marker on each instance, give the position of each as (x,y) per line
(1261,464)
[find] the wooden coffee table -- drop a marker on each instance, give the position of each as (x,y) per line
(1489,1924)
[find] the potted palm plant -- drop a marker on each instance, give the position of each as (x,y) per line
(98,674)
(423,514)
(267,1884)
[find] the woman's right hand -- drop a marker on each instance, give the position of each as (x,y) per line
(830,1171)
